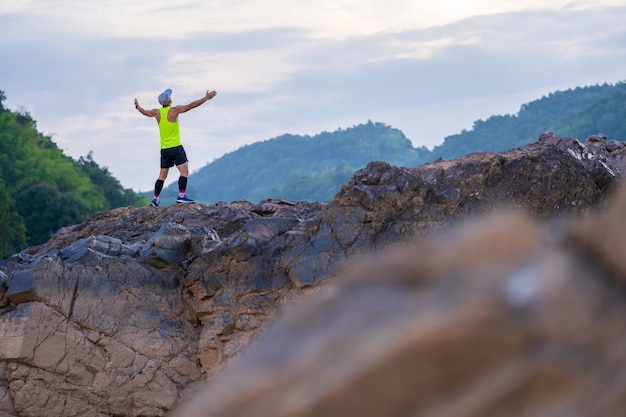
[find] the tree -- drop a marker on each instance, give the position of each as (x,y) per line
(13,231)
(42,189)
(317,186)
(116,195)
(45,210)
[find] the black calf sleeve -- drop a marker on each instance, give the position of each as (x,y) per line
(182,184)
(158,187)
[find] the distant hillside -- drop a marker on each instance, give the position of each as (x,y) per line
(274,167)
(314,168)
(42,190)
(577,113)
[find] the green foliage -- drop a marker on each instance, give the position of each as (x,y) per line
(42,190)
(28,158)
(607,115)
(45,209)
(12,229)
(578,113)
(115,194)
(320,186)
(2,98)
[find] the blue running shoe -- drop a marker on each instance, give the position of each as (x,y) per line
(184,199)
(154,203)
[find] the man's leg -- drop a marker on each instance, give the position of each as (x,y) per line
(158,186)
(183,169)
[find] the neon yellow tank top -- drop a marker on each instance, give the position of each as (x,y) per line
(169,132)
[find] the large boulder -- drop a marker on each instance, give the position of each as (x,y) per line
(503,316)
(128,313)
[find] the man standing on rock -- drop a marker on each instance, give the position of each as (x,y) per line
(172,152)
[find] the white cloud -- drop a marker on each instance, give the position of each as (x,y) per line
(325,18)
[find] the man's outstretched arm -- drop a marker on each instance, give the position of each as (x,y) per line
(149,113)
(208,96)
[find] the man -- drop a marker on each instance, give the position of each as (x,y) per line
(172,152)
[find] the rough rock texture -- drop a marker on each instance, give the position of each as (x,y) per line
(130,312)
(504,316)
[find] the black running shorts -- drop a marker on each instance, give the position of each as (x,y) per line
(173,156)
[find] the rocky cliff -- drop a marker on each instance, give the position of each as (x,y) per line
(131,312)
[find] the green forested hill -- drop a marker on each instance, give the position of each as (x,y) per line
(42,190)
(577,113)
(314,168)
(297,167)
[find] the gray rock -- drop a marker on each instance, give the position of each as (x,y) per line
(169,245)
(100,245)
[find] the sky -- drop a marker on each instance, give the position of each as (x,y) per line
(428,68)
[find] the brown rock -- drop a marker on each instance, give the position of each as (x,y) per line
(499,317)
(127,313)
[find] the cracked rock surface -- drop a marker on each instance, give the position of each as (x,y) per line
(131,312)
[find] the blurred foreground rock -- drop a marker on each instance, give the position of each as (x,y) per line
(505,316)
(133,311)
